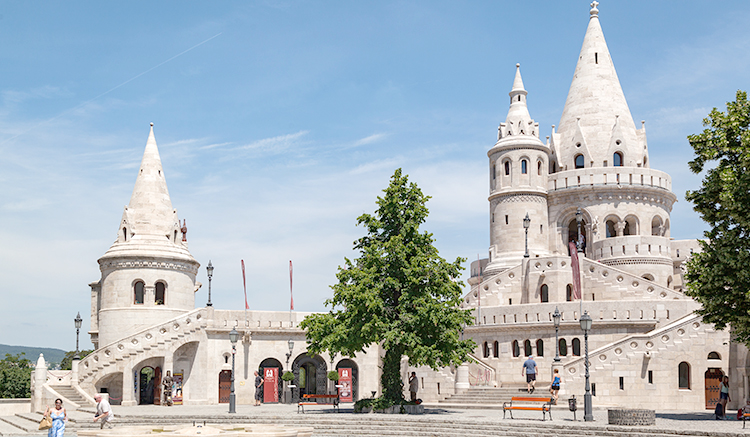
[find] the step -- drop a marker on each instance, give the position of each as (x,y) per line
(21,424)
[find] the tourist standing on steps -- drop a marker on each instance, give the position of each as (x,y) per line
(258,389)
(529,366)
(724,394)
(554,388)
(59,417)
(413,386)
(103,411)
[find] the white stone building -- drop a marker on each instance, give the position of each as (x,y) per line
(646,347)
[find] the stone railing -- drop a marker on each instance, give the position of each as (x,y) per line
(601,176)
(630,246)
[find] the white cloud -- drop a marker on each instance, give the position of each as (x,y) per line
(275,144)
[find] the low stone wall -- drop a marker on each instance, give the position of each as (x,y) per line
(10,407)
(631,416)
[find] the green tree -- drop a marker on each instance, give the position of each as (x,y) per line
(718,277)
(398,293)
(15,377)
(67,361)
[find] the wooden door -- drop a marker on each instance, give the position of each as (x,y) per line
(157,386)
(713,383)
(225,386)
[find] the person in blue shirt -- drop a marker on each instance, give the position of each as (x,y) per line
(529,367)
(554,388)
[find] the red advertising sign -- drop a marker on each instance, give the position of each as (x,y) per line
(345,381)
(270,384)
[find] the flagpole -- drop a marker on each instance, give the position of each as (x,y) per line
(291,294)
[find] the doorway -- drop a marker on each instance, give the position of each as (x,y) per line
(713,382)
(148,387)
(225,386)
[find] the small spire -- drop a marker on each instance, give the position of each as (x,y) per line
(594,11)
(517,82)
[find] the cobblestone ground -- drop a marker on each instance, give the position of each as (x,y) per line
(670,420)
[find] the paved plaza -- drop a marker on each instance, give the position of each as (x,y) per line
(667,422)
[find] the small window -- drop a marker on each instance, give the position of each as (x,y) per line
(507,168)
(569,293)
(486,350)
(617,159)
(580,162)
(516,349)
(714,356)
(139,291)
(576,347)
(160,293)
(622,383)
(563,345)
(540,348)
(524,166)
(539,168)
(650,376)
(527,348)
(125,234)
(493,172)
(496,349)
(684,375)
(544,292)
(506,219)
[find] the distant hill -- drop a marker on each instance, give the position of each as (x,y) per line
(32,353)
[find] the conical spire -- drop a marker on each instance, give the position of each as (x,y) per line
(595,106)
(518,121)
(150,207)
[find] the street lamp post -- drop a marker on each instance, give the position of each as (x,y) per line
(556,316)
(78,322)
(289,354)
(210,272)
(579,219)
(233,337)
(588,414)
(526,223)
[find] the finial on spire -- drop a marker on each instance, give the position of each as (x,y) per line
(152,124)
(594,11)
(518,65)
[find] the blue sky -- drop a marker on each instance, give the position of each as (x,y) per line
(279,122)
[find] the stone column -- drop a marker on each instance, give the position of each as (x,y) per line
(40,378)
(128,399)
(462,377)
(74,372)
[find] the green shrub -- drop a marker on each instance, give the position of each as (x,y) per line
(288,376)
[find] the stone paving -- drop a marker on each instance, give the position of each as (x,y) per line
(676,421)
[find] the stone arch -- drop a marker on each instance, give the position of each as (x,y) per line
(617,159)
(516,348)
(568,223)
(308,363)
(632,225)
(348,363)
(183,359)
(657,226)
(139,291)
(496,349)
(666,228)
(111,384)
(610,225)
(527,351)
(544,293)
(273,362)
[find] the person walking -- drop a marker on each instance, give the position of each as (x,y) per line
(103,411)
(529,366)
(258,389)
(554,388)
(59,417)
(413,386)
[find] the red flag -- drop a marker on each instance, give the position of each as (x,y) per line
(244,285)
(291,295)
(576,270)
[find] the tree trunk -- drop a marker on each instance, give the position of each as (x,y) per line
(393,386)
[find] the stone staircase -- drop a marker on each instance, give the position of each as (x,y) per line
(430,425)
(164,337)
(70,394)
(487,397)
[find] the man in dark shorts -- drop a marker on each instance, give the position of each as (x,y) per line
(529,367)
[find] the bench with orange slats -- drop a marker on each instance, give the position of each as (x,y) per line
(529,404)
(308,397)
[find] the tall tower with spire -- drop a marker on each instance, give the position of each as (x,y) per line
(148,274)
(519,163)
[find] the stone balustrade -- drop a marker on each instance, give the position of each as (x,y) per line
(601,176)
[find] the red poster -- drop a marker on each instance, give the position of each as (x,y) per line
(270,384)
(345,381)
(177,388)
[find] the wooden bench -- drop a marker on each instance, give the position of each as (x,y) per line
(311,399)
(529,404)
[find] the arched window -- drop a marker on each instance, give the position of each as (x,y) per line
(493,172)
(656,227)
(486,350)
(684,375)
(580,161)
(160,295)
(125,234)
(611,232)
(527,348)
(524,166)
(544,292)
(139,292)
(516,349)
(648,276)
(617,159)
(539,168)
(563,345)
(569,293)
(540,348)
(507,168)
(496,349)
(714,356)
(576,347)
